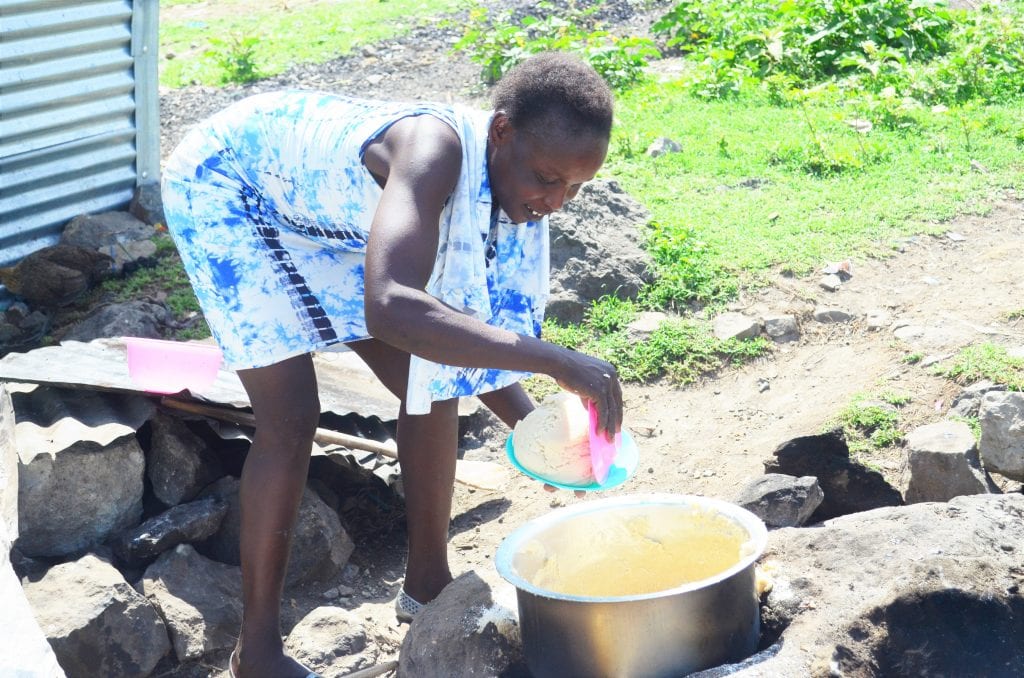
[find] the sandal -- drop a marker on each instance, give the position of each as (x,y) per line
(406,607)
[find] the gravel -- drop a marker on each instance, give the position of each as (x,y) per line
(417,66)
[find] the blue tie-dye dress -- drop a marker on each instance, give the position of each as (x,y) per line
(270,206)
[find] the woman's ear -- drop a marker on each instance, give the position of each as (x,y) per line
(500,131)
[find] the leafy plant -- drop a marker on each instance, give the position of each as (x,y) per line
(236,57)
(499,44)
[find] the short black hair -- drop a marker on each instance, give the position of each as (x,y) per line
(555,91)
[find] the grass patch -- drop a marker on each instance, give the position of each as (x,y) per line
(985,361)
(760,186)
(871,422)
(681,349)
(310,32)
(165,278)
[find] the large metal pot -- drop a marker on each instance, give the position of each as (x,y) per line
(664,634)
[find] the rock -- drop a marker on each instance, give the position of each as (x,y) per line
(780,500)
(831,315)
(182,524)
(462,632)
(595,250)
(147,205)
(878,319)
(942,463)
(135,318)
(1001,416)
(179,464)
(119,235)
(781,328)
(56,275)
(930,589)
(97,624)
(332,640)
(23,647)
(8,472)
(74,497)
(320,546)
(200,600)
(735,326)
(830,282)
(968,402)
(645,324)
(848,486)
(663,145)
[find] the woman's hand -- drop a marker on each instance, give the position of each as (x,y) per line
(597,381)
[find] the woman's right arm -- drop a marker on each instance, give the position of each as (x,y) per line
(420,159)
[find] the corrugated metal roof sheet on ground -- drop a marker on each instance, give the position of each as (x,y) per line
(79,122)
(346,385)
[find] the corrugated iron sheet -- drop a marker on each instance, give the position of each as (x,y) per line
(79,120)
(346,385)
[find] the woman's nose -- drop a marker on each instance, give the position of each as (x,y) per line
(556,197)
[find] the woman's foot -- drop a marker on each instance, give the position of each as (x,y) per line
(265,665)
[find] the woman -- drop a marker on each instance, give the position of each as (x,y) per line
(415,234)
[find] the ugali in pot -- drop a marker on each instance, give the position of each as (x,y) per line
(568,633)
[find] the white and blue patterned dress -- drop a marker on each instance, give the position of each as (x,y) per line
(270,206)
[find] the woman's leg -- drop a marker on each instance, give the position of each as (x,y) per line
(287,409)
(427,450)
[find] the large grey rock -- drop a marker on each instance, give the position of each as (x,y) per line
(848,486)
(200,600)
(824,314)
(595,250)
(780,500)
(75,497)
(135,318)
(733,325)
(179,464)
(968,402)
(462,632)
(8,469)
(23,647)
(331,640)
(942,463)
(781,328)
(97,624)
(320,546)
(147,204)
(930,589)
(1001,415)
(185,523)
(119,235)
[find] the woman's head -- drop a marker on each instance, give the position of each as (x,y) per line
(549,134)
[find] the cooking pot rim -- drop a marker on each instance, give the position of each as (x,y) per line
(754,526)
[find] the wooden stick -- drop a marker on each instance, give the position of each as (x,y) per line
(482,475)
(373,671)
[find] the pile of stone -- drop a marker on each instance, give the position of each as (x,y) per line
(126,520)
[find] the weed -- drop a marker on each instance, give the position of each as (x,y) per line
(985,361)
(499,44)
(871,423)
(236,57)
(1013,315)
(913,358)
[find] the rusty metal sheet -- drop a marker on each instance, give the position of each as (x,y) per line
(346,384)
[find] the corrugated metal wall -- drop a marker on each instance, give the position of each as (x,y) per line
(79,113)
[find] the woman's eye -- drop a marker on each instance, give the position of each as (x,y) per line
(545,180)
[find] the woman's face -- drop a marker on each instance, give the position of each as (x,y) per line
(533,177)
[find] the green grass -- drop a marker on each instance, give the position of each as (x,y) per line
(871,422)
(886,184)
(308,33)
(985,361)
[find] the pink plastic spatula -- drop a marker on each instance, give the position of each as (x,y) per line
(602,452)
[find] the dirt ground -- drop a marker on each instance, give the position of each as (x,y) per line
(709,439)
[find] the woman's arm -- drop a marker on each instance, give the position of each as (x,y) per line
(420,158)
